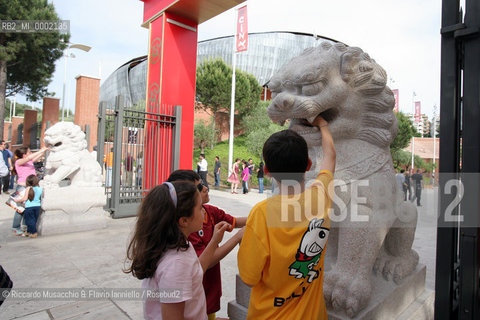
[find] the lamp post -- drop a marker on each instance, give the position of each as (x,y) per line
(413,137)
(14,103)
(82,47)
(434,134)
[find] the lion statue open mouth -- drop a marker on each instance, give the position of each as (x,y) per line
(348,88)
(69,158)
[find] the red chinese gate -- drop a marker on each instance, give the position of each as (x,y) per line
(171,72)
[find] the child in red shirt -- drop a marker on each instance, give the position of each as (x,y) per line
(212,283)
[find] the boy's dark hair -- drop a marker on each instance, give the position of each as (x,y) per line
(157,227)
(217,157)
(184,175)
(402,171)
(286,155)
(202,155)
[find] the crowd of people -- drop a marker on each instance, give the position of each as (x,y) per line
(242,172)
(28,193)
(131,170)
(176,242)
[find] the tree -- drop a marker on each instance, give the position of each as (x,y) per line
(405,133)
(259,128)
(402,159)
(214,86)
(214,89)
(27,60)
(204,134)
(19,109)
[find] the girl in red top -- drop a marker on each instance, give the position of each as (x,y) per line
(245,176)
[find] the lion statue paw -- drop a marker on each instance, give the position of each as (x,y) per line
(346,292)
(395,268)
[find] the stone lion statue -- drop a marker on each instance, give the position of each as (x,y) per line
(372,228)
(69,157)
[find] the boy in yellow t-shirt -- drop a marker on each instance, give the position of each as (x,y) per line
(283,248)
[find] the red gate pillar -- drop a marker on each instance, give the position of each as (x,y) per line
(171,77)
(170,82)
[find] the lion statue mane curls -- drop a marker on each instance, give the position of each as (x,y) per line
(369,238)
(69,158)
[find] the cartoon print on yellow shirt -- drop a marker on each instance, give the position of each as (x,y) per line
(308,254)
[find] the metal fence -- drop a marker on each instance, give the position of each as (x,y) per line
(123,134)
(20,134)
(35,130)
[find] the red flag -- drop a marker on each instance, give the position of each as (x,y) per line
(242,29)
(397,101)
(417,111)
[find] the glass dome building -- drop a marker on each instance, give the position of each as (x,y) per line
(267,53)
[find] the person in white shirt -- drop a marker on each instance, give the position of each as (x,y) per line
(401,181)
(202,169)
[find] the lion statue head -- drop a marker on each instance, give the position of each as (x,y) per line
(65,136)
(69,158)
(341,83)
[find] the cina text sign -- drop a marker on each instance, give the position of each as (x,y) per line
(242,29)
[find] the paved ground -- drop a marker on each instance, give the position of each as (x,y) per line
(95,259)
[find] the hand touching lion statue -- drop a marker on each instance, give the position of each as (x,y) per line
(372,228)
(69,158)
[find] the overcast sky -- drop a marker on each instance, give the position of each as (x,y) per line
(402,36)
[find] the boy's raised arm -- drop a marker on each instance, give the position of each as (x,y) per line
(329,154)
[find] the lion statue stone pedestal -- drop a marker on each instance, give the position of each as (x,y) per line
(372,272)
(78,206)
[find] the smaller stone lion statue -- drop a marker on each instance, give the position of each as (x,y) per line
(69,158)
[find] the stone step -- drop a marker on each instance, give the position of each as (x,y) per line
(236,311)
(423,308)
(406,301)
(389,300)
(242,292)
